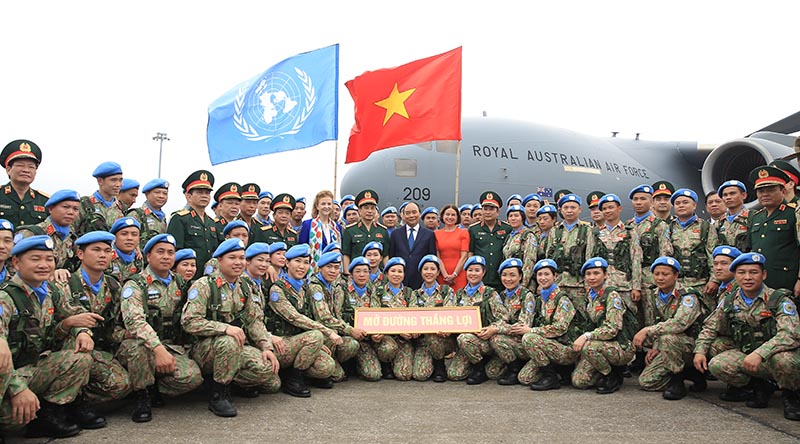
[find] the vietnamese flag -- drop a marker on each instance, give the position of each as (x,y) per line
(413,103)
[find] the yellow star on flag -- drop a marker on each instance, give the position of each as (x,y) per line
(395,103)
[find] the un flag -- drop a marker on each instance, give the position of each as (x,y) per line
(290,106)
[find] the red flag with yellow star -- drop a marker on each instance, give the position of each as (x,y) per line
(413,103)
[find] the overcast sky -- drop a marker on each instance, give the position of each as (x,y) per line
(95,81)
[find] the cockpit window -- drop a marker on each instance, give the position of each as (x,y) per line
(425,145)
(447,146)
(405,167)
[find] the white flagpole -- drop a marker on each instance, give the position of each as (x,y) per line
(335,168)
(458,170)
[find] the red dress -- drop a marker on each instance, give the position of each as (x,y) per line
(450,245)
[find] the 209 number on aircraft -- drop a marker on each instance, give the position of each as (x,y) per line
(416,193)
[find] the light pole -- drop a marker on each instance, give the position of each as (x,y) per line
(161,137)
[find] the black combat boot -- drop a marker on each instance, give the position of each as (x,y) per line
(220,403)
(512,371)
(762,391)
(676,389)
(387,370)
(439,371)
(736,394)
(155,395)
(564,373)
(478,374)
(791,405)
(142,411)
(244,392)
(548,381)
(699,383)
(51,422)
(322,383)
(612,382)
(292,383)
(84,414)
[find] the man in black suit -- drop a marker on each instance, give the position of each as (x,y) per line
(411,242)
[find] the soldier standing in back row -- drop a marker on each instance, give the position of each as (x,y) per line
(569,244)
(102,208)
(229,201)
(150,215)
(192,227)
(734,227)
(358,234)
(279,230)
(19,203)
(487,238)
(662,193)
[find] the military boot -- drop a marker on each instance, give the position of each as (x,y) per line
(322,383)
(478,374)
(512,371)
(142,411)
(155,395)
(611,382)
(762,391)
(736,394)
(51,422)
(84,414)
(565,374)
(387,370)
(699,383)
(439,371)
(220,403)
(292,383)
(548,381)
(791,405)
(676,389)
(244,392)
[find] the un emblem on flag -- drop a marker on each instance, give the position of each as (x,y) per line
(275,105)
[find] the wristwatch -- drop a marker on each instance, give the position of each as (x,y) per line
(588,336)
(88,331)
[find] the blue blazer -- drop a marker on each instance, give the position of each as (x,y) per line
(424,243)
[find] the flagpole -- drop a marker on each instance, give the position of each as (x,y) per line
(335,167)
(458,170)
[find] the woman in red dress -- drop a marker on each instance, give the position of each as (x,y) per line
(452,247)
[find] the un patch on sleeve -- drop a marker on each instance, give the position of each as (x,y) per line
(565,305)
(688,301)
(618,303)
(192,294)
(208,270)
(274,296)
(317,296)
(126,293)
(529,307)
(788,308)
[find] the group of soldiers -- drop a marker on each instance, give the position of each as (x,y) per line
(101,300)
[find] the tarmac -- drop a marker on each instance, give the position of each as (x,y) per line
(426,412)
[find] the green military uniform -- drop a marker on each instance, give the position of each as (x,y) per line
(192,229)
(229,190)
(357,235)
(30,208)
(489,242)
(271,233)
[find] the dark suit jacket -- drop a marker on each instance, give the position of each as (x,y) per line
(424,243)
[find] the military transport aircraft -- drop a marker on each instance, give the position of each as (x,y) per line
(511,156)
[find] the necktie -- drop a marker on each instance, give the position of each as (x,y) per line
(411,240)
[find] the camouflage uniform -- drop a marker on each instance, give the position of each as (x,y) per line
(569,248)
(289,317)
(219,354)
(524,245)
(394,349)
(63,249)
(152,223)
(550,341)
(508,348)
(431,346)
(369,367)
(772,333)
(672,328)
(606,349)
(123,270)
(654,241)
(157,303)
(735,231)
(694,253)
(108,380)
(109,213)
(471,348)
(55,376)
(327,306)
(619,245)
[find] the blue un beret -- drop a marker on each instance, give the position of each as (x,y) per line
(683,192)
(545,263)
(155,183)
(43,243)
(348,197)
(165,239)
(230,226)
(475,260)
(129,184)
(124,222)
(429,258)
(388,210)
(530,197)
(519,208)
(726,250)
(549,209)
(277,246)
(331,246)
(265,195)
(350,207)
(106,169)
(608,198)
(748,259)
(668,261)
(394,261)
(301,200)
(334,257)
(595,262)
(569,198)
(5,224)
(731,183)
(61,196)
(465,207)
(361,260)
(184,254)
(255,249)
(643,188)
(512,197)
(228,246)
(429,210)
(95,236)
(372,246)
(299,250)
(511,262)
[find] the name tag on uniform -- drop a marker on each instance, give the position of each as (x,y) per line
(780,222)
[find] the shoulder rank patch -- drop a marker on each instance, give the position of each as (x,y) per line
(183,212)
(317,296)
(192,294)
(274,296)
(688,301)
(618,303)
(788,308)
(126,293)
